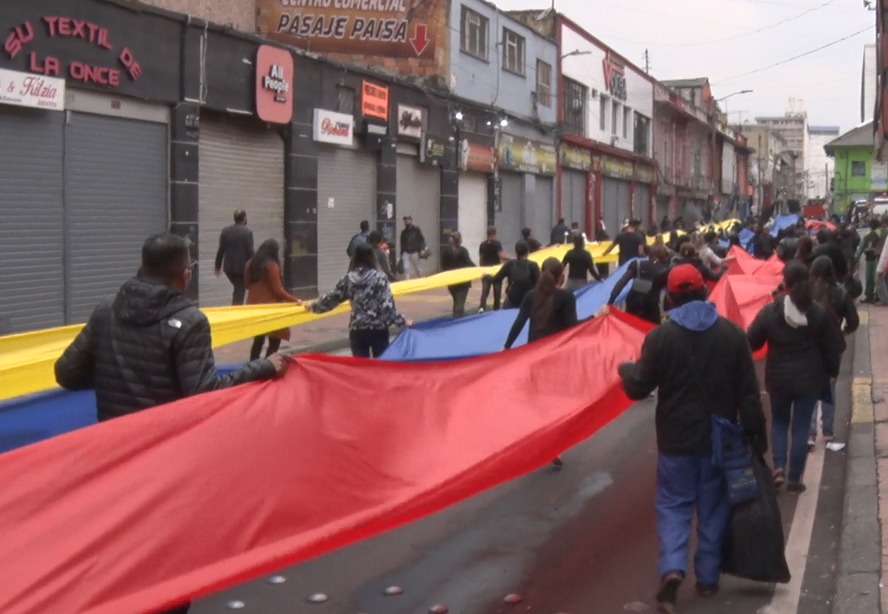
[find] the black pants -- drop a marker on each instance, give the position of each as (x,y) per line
(240,288)
(367,342)
(273,346)
(486,285)
(459,294)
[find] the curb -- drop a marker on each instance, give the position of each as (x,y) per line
(858,585)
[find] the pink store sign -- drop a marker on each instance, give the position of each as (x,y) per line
(29,90)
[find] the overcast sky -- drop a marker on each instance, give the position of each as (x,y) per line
(724,39)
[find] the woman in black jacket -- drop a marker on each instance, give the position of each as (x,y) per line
(549,308)
(839,304)
(457,257)
(648,278)
(804,354)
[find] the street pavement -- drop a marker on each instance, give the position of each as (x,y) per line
(582,540)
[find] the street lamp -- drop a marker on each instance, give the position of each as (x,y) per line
(734,94)
(575,52)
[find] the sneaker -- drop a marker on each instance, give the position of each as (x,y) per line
(668,593)
(812,442)
(557,463)
(779,478)
(795,488)
(707,590)
(481,310)
(828,436)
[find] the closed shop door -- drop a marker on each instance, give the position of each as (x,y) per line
(419,195)
(115,197)
(641,208)
(241,167)
(473,211)
(31,231)
(543,210)
(508,220)
(615,207)
(662,209)
(573,198)
(346,193)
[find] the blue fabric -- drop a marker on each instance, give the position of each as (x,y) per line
(790,414)
(732,455)
(33,418)
(746,236)
(683,484)
(724,243)
(485,333)
(827,412)
(696,316)
(784,221)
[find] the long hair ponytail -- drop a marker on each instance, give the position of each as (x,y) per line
(544,293)
(269,251)
(795,278)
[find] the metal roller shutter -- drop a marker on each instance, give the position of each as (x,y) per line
(573,197)
(419,195)
(508,221)
(543,210)
(616,204)
(241,167)
(349,178)
(31,232)
(641,207)
(115,197)
(473,211)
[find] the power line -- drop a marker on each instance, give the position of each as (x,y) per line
(796,57)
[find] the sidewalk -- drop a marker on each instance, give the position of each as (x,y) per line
(863,554)
(331,334)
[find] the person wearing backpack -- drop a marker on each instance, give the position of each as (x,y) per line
(840,305)
(522,276)
(648,277)
(358,239)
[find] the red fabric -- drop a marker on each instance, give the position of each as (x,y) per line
(818,224)
(177,502)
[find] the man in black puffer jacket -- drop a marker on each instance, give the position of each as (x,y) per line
(150,345)
(702,365)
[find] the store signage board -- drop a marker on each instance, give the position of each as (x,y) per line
(333,128)
(391,28)
(374,101)
(35,91)
(410,122)
(274,84)
(520,154)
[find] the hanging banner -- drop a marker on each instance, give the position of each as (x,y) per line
(519,154)
(476,157)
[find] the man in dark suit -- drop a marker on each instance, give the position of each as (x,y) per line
(235,248)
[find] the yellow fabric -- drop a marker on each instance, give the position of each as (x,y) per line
(27,359)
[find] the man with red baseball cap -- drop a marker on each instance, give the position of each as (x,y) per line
(703,367)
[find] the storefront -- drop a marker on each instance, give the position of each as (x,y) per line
(346,192)
(576,164)
(476,163)
(642,204)
(419,193)
(527,169)
(84,166)
(616,203)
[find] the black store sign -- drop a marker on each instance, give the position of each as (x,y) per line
(93,44)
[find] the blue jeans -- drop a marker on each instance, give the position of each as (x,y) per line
(791,414)
(683,483)
(827,415)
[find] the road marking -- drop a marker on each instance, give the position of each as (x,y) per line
(786,597)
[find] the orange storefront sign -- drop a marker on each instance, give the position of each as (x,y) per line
(374,101)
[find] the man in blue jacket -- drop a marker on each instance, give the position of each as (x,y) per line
(703,367)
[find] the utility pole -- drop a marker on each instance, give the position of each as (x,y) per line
(647,61)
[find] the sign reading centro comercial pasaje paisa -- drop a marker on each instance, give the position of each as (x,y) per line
(395,28)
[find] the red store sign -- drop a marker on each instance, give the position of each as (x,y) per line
(20,37)
(615,77)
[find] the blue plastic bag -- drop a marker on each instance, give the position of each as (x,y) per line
(732,455)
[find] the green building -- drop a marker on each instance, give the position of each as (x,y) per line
(858,174)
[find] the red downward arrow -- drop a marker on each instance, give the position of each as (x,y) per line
(420,39)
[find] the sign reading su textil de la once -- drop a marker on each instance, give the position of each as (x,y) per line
(396,28)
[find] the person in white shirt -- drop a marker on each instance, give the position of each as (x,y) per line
(707,254)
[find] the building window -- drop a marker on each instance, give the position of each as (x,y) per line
(602,113)
(474,33)
(627,116)
(575,97)
(615,117)
(642,134)
(858,169)
(544,83)
(345,100)
(513,52)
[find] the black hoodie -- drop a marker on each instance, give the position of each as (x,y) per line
(147,346)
